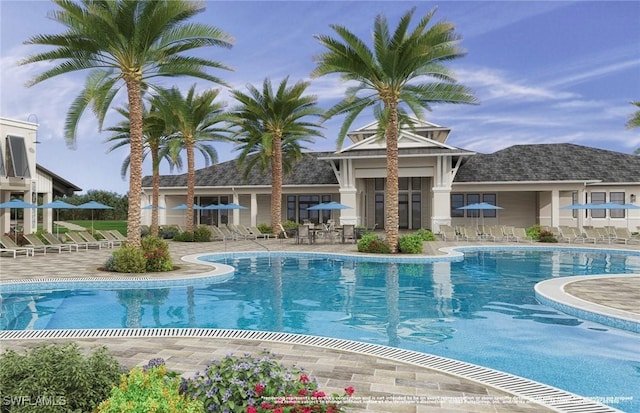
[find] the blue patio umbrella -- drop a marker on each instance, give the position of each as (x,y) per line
(233,205)
(479,207)
(605,205)
(151,207)
(57,205)
(184,206)
(327,206)
(318,207)
(17,204)
(93,205)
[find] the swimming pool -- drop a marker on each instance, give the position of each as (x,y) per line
(481,310)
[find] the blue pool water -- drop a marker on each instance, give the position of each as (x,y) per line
(481,310)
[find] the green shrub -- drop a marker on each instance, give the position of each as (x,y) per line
(265,228)
(149,390)
(156,252)
(129,259)
(533,232)
(372,243)
(56,378)
(411,244)
(168,231)
(200,234)
(254,384)
(110,264)
(426,234)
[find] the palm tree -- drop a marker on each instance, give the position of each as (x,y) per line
(634,122)
(125,43)
(193,119)
(405,70)
(270,125)
(156,144)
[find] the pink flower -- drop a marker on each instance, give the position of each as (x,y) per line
(304,378)
(259,389)
(251,409)
(303,392)
(318,394)
(349,390)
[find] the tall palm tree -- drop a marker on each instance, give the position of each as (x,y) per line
(125,43)
(634,122)
(404,70)
(270,125)
(156,144)
(193,118)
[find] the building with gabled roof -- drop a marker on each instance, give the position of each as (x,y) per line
(530,182)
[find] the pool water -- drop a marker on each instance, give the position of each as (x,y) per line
(480,310)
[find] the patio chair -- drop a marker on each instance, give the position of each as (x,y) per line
(349,233)
(590,234)
(216,234)
(36,242)
(495,233)
(90,238)
(110,237)
(244,232)
(76,238)
(570,235)
(10,246)
(228,234)
(304,234)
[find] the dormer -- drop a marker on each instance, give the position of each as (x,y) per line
(421,128)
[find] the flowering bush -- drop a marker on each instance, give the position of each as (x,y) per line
(260,384)
(149,389)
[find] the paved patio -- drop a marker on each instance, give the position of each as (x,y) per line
(414,389)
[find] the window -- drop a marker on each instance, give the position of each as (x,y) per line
(17,161)
(3,172)
(416,184)
(489,199)
(598,198)
(403,184)
(473,199)
(379,184)
(616,198)
(457,201)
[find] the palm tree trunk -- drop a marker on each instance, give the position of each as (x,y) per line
(134,94)
(191,182)
(276,183)
(156,189)
(391,191)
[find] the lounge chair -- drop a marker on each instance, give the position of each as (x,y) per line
(243,231)
(470,234)
(10,246)
(76,238)
(570,235)
(448,233)
(37,243)
(623,235)
(495,234)
(259,234)
(117,235)
(110,237)
(519,234)
(90,238)
(53,240)
(228,234)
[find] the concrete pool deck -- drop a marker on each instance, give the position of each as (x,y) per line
(374,378)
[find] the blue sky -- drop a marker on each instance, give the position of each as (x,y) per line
(544,72)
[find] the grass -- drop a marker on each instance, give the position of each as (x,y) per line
(98,225)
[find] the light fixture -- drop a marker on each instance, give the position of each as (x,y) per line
(632,198)
(36,141)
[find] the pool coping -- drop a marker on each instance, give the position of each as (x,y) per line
(528,390)
(540,393)
(552,293)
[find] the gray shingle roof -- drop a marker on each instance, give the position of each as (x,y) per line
(309,171)
(550,162)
